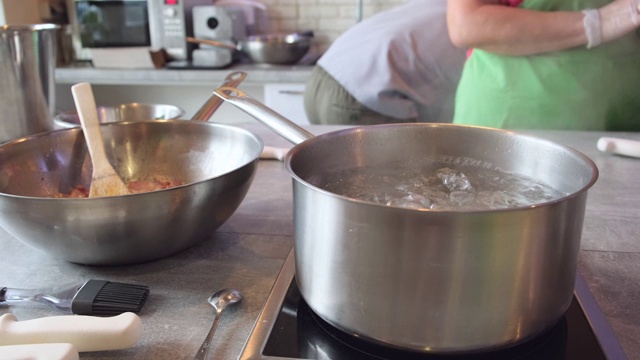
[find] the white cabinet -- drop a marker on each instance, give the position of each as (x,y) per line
(286,99)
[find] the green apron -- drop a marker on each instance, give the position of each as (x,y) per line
(577,89)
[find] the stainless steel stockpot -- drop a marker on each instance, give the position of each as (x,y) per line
(426,280)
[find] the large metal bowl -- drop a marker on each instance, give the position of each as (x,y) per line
(276,49)
(122,112)
(216,163)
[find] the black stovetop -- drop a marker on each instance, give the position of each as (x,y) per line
(289,329)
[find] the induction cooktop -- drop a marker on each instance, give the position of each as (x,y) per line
(288,329)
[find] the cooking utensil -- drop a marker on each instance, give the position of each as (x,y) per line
(40,352)
(123,112)
(86,333)
(219,300)
(213,103)
(216,164)
(274,153)
(278,49)
(104,179)
(27,68)
(619,146)
(430,280)
(93,297)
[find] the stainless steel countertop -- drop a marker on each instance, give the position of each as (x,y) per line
(248,251)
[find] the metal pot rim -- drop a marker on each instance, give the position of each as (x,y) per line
(323,137)
(29,27)
(133,123)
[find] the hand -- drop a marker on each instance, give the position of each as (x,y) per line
(619,18)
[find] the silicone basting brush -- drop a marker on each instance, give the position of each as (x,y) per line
(93,297)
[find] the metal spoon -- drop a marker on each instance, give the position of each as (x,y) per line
(219,300)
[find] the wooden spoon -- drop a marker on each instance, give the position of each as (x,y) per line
(104,179)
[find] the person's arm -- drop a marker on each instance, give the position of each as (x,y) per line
(487,25)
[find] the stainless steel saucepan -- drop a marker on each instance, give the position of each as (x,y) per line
(215,164)
(434,281)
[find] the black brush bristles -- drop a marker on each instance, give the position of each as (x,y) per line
(106,298)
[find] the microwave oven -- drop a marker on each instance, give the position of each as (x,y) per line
(153,24)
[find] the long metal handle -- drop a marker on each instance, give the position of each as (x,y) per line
(211,42)
(213,103)
(291,92)
(276,122)
(204,348)
(60,297)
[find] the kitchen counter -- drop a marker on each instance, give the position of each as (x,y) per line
(257,74)
(248,251)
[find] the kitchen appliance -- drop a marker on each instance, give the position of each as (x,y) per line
(219,24)
(27,64)
(254,14)
(144,24)
(288,329)
(431,280)
(226,22)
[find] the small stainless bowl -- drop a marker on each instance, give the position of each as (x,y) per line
(122,112)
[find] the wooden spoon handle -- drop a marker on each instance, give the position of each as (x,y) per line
(88,113)
(104,180)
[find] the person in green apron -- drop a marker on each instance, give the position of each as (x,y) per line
(570,64)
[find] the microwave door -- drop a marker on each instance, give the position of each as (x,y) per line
(103,24)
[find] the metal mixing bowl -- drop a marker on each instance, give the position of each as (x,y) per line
(216,163)
(276,48)
(122,112)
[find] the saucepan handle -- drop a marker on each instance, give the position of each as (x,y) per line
(213,103)
(625,147)
(282,126)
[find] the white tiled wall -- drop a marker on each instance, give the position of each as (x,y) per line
(327,18)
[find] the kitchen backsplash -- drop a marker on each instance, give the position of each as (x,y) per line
(327,18)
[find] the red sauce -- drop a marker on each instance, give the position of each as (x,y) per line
(135,187)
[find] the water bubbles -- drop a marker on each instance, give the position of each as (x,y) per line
(454,180)
(438,187)
(411,201)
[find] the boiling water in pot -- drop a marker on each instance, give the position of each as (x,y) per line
(438,187)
